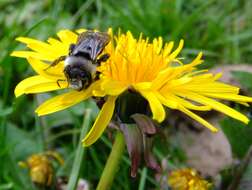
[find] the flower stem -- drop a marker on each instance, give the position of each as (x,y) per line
(79,153)
(240,171)
(112,164)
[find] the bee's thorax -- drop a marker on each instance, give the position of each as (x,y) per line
(80,62)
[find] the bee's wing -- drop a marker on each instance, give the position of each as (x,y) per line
(91,43)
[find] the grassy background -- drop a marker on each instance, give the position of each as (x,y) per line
(221,29)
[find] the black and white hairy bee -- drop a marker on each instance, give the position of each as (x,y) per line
(82,60)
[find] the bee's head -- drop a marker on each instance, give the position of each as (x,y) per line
(77,72)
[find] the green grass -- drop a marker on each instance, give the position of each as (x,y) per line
(221,29)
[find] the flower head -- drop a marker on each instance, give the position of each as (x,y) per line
(187,179)
(41,167)
(150,69)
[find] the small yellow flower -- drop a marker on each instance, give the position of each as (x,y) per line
(187,179)
(41,167)
(151,69)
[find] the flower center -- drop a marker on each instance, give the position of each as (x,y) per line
(132,61)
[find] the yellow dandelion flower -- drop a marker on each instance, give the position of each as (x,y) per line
(151,69)
(187,179)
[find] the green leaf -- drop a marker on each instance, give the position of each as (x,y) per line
(6,111)
(244,78)
(6,186)
(19,145)
(79,153)
(20,142)
(238,134)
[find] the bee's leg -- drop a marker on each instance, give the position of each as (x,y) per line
(58,82)
(103,58)
(55,62)
(97,75)
(71,48)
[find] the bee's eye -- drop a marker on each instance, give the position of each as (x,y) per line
(82,74)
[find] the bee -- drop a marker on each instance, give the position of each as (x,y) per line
(81,62)
(41,167)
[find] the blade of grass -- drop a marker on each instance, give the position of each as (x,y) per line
(82,10)
(186,25)
(143,179)
(97,162)
(79,153)
(53,138)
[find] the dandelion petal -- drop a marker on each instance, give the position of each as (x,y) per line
(37,84)
(101,122)
(198,118)
(155,106)
(62,101)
